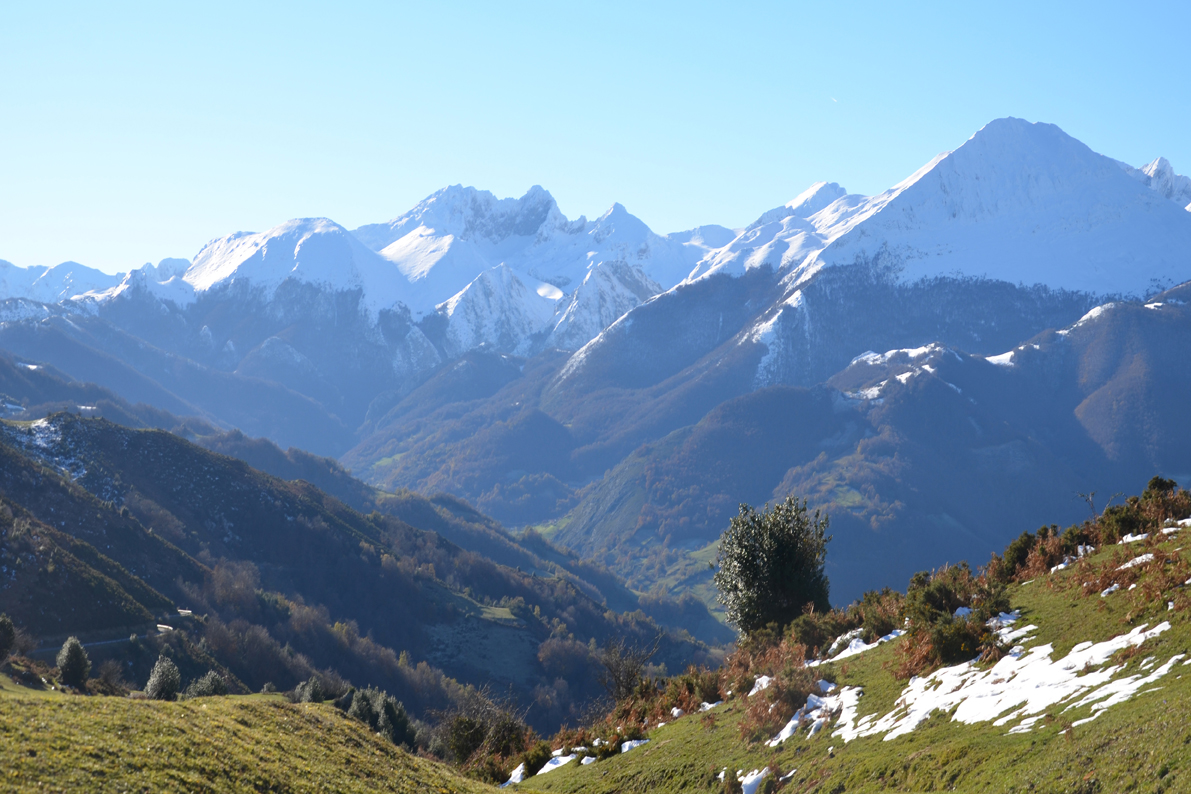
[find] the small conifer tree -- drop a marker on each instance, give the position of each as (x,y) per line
(164,681)
(8,637)
(309,691)
(210,685)
(73,664)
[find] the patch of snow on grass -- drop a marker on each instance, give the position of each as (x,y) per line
(705,706)
(857,645)
(752,781)
(1024,684)
(1109,590)
(1131,538)
(556,762)
(517,776)
(761,685)
(632,745)
(1142,560)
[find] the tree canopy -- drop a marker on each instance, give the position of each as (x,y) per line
(770,564)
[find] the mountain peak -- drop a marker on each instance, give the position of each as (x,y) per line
(816,197)
(313,250)
(1159,175)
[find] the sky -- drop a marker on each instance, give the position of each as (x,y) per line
(134,132)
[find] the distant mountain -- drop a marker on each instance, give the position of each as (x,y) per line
(52,284)
(1018,202)
(443,243)
(586,377)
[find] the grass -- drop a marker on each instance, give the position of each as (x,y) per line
(59,742)
(1143,744)
(549,529)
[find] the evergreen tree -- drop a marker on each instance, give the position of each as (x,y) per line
(209,685)
(164,681)
(8,637)
(771,565)
(73,664)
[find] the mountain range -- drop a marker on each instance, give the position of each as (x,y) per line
(1007,318)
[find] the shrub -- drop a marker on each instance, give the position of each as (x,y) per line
(624,666)
(771,565)
(535,758)
(164,680)
(937,634)
(8,637)
(381,712)
(210,685)
(110,679)
(792,683)
(73,664)
(464,737)
(309,691)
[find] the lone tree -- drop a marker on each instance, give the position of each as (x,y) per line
(771,565)
(73,664)
(164,681)
(624,666)
(8,637)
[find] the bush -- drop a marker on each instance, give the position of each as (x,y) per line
(464,737)
(624,666)
(110,679)
(937,634)
(771,565)
(210,685)
(381,712)
(535,758)
(164,681)
(309,691)
(8,637)
(73,664)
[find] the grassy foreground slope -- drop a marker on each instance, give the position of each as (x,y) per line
(1141,743)
(51,742)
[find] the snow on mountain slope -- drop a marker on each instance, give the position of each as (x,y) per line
(444,242)
(499,307)
(52,284)
(163,282)
(311,250)
(1018,202)
(782,235)
(609,290)
(1159,176)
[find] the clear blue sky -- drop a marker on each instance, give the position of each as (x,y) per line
(130,133)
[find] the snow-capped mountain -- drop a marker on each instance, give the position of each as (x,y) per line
(1159,175)
(52,284)
(314,251)
(450,237)
(1020,228)
(1018,202)
(515,274)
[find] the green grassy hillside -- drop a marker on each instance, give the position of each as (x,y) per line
(57,742)
(1122,724)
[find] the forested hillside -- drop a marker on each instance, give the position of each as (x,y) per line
(109,530)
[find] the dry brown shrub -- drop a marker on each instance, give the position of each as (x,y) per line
(914,655)
(792,683)
(1047,553)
